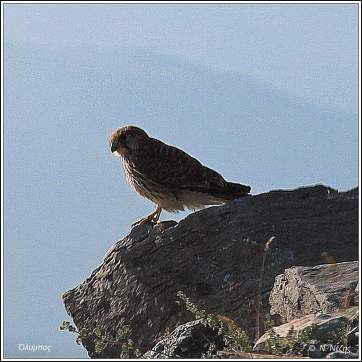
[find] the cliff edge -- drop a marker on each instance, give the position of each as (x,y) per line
(217,257)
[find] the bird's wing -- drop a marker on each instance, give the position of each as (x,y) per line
(172,167)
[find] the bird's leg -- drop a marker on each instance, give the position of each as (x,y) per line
(154,216)
(157,213)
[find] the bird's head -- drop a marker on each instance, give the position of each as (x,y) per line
(126,141)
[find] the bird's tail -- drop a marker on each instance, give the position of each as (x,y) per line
(237,190)
(232,191)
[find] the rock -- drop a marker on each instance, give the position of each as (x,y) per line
(353,336)
(249,355)
(323,288)
(324,322)
(189,340)
(323,296)
(324,326)
(215,257)
(340,354)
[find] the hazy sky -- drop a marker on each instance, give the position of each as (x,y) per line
(266,94)
(310,50)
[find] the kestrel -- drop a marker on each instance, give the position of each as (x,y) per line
(168,176)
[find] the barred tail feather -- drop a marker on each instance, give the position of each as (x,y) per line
(239,189)
(232,191)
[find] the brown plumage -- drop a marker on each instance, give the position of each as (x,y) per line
(168,176)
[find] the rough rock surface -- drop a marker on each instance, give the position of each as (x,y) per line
(323,288)
(236,355)
(323,296)
(189,340)
(341,354)
(324,322)
(214,256)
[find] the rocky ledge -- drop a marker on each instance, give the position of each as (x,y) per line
(220,259)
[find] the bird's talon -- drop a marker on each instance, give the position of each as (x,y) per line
(150,218)
(140,222)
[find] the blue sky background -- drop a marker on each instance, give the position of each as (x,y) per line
(266,94)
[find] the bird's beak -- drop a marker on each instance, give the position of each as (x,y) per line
(114,146)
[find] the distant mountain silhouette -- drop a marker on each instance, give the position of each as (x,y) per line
(270,134)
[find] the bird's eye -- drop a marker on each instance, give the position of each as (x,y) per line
(122,137)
